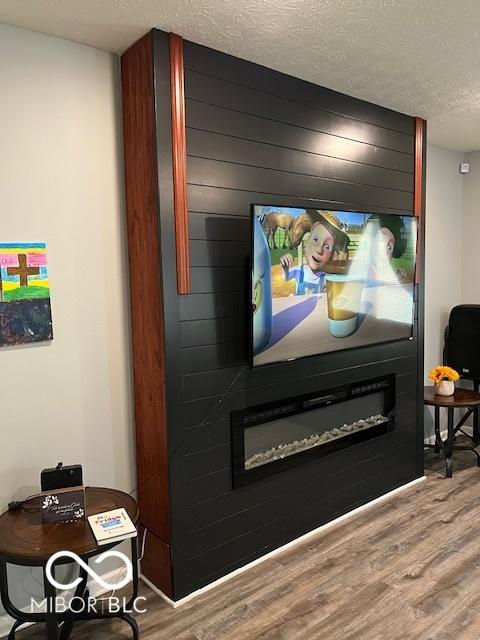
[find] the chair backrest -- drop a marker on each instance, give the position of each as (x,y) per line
(462,340)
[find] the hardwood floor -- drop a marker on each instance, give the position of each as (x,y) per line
(407,568)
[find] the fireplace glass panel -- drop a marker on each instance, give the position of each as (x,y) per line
(278,439)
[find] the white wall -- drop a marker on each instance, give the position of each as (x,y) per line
(471,231)
(443,247)
(61,182)
(443,251)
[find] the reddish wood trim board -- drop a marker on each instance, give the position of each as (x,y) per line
(179,153)
(419,196)
(418,188)
(142,199)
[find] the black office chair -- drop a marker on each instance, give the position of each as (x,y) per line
(462,348)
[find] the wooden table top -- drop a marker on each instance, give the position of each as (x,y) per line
(25,540)
(460,398)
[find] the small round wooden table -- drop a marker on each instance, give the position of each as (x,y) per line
(24,540)
(461,399)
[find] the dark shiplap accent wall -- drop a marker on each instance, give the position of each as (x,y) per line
(255,135)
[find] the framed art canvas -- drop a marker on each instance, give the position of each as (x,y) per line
(25,312)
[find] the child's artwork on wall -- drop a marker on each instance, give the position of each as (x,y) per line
(25,313)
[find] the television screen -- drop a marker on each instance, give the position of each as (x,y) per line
(329,280)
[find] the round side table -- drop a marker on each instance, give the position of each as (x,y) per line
(25,540)
(461,399)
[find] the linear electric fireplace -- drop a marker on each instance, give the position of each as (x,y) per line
(273,437)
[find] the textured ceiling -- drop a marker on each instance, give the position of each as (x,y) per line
(419,57)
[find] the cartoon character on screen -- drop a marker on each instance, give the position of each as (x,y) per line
(327,241)
(387,238)
(261,290)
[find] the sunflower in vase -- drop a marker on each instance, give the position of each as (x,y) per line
(444,379)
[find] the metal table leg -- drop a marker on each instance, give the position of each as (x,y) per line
(437,429)
(449,443)
(80,592)
(51,616)
(476,434)
(20,617)
(16,626)
(127,617)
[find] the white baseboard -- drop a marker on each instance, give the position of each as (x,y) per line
(431,437)
(444,433)
(113,577)
(275,552)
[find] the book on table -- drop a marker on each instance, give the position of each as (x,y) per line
(112,526)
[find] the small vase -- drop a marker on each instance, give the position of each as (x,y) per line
(445,388)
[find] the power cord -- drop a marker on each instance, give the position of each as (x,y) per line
(114,590)
(144,540)
(18,505)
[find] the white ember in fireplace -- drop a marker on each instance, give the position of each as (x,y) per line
(314,440)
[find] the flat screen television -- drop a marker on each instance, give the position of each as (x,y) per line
(325,280)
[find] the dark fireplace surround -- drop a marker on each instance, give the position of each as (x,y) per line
(215,492)
(271,438)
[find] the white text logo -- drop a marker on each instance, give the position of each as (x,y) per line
(98,579)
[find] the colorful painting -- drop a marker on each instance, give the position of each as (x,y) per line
(25,313)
